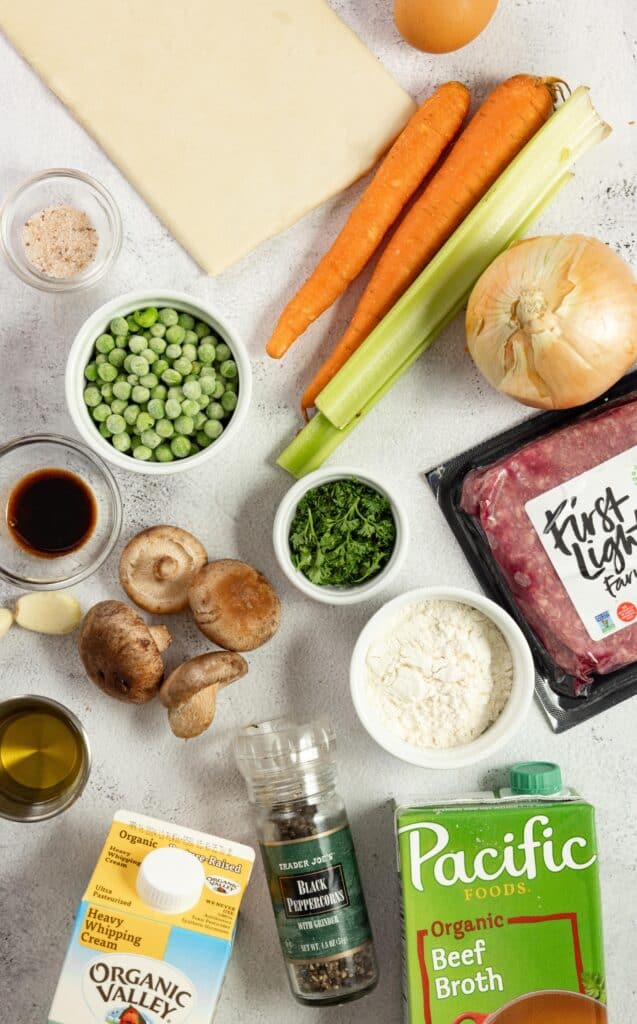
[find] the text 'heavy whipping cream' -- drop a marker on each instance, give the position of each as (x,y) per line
(154,931)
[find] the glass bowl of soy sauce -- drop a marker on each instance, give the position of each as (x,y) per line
(61,512)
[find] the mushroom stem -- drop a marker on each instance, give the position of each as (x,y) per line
(161,636)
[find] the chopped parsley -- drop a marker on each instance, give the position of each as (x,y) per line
(343,533)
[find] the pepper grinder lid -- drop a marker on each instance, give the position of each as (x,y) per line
(273,750)
(170,880)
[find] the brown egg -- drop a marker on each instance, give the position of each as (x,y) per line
(439,26)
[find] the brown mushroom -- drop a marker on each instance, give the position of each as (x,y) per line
(190,692)
(158,565)
(234,605)
(121,654)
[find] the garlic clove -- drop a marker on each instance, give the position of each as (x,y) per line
(55,612)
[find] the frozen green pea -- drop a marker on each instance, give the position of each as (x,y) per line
(172,351)
(151,439)
(118,405)
(159,366)
(189,351)
(156,408)
(122,442)
(196,368)
(133,379)
(159,391)
(168,317)
(201,329)
(200,418)
(128,363)
(90,371)
(219,389)
(146,317)
(204,401)
(190,377)
(223,352)
(149,380)
(122,389)
(138,365)
(144,422)
(202,439)
(116,423)
(100,359)
(182,366)
(175,334)
(119,325)
(133,326)
(232,385)
(105,343)
(215,411)
(106,391)
(101,412)
(158,330)
(171,376)
(172,408)
(176,392)
(163,453)
(180,447)
(117,357)
(140,394)
(158,345)
(131,412)
(137,344)
(190,338)
(186,321)
(208,371)
(184,425)
(164,428)
(229,401)
(149,356)
(92,397)
(121,340)
(206,353)
(189,407)
(192,389)
(207,385)
(228,369)
(142,452)
(212,429)
(104,431)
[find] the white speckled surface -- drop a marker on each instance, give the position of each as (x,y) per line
(437,411)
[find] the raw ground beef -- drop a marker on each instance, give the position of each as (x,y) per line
(496,497)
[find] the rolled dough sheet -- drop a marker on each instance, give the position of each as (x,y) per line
(232,118)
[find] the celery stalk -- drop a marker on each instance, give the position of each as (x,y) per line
(316,442)
(443,286)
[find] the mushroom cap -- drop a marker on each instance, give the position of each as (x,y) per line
(120,652)
(158,565)
(190,692)
(234,605)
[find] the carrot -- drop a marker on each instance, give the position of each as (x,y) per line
(505,122)
(412,156)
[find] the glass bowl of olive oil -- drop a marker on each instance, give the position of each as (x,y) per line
(61,512)
(45,758)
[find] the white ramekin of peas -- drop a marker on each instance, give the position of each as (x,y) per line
(156,382)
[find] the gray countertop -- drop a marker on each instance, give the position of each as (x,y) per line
(439,409)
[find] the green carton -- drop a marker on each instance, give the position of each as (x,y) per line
(501,907)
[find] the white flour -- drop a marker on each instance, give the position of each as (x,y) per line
(440,674)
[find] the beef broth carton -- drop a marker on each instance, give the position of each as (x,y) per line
(501,906)
(155,928)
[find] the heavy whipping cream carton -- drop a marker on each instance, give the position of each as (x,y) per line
(501,906)
(155,928)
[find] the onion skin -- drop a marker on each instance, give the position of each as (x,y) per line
(553,321)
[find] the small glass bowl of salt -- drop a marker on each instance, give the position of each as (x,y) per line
(60,231)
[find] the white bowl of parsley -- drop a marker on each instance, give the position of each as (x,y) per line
(340,536)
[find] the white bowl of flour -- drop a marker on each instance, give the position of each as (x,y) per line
(442,677)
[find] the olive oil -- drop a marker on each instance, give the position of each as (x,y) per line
(44,758)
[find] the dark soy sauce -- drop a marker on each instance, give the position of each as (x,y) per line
(51,512)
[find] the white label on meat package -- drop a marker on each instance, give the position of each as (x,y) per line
(588,528)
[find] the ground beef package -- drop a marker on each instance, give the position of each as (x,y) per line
(547,516)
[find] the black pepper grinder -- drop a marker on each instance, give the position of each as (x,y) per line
(309,859)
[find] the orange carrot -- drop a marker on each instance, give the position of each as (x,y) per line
(505,122)
(412,156)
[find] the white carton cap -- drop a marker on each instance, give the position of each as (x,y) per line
(170,880)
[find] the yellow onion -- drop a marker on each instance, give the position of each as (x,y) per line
(552,322)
